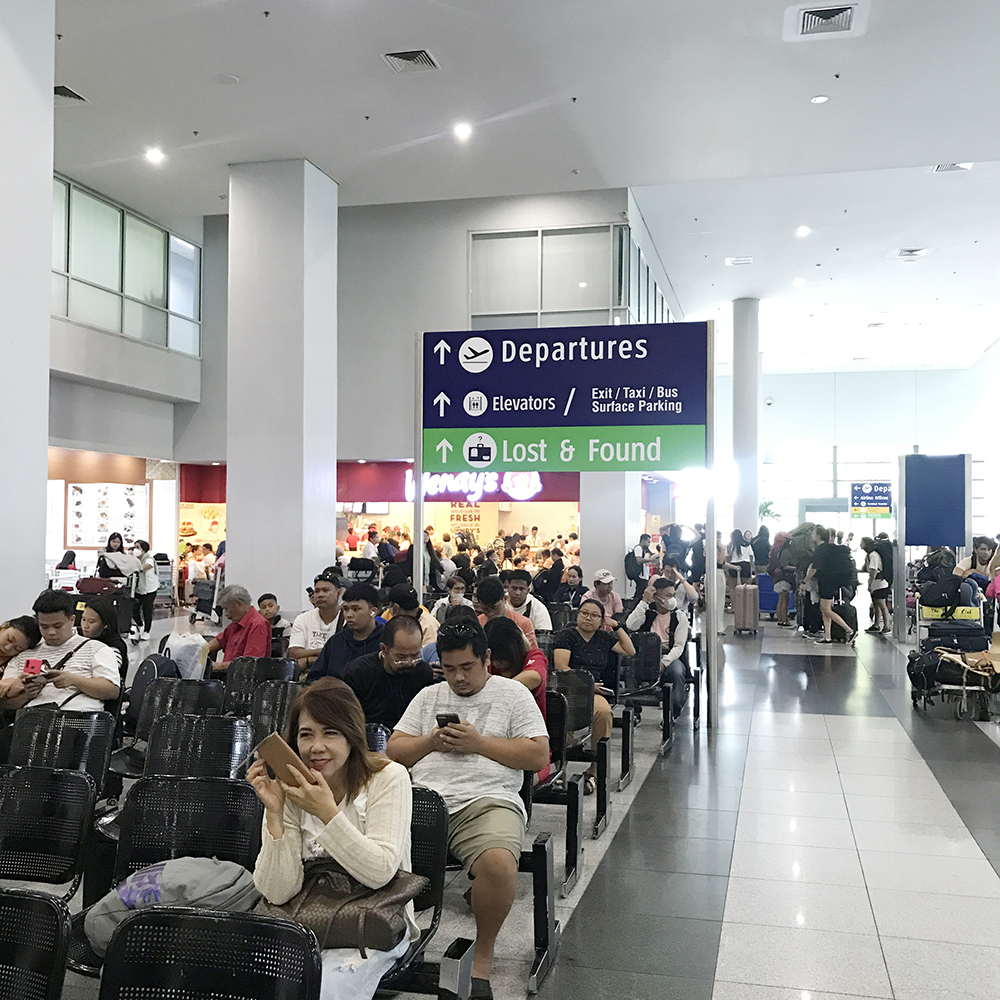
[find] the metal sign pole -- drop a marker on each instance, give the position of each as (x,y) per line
(418,471)
(899,614)
(710,641)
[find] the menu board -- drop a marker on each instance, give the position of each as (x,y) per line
(96,510)
(202,522)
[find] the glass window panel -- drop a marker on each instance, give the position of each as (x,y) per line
(94,307)
(185,279)
(505,272)
(576,269)
(593,317)
(144,322)
(511,321)
(620,317)
(60,204)
(643,292)
(185,336)
(145,261)
(633,278)
(95,240)
(620,280)
(59,283)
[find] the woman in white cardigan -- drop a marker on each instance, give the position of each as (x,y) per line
(358,813)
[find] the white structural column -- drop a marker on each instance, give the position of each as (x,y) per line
(610,505)
(746,411)
(281,448)
(27,38)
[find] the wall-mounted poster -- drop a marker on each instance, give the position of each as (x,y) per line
(202,522)
(96,510)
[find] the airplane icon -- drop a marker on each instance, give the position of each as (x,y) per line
(476,354)
(472,355)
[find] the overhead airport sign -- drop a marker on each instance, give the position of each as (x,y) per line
(871,499)
(572,398)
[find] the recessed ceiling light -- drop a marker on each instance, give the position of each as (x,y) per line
(736,261)
(583,284)
(362,461)
(819,99)
(154,155)
(803,231)
(216,463)
(798,282)
(227,79)
(463,130)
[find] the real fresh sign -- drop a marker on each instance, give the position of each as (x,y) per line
(573,399)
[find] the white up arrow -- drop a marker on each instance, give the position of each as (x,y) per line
(441,401)
(444,446)
(442,348)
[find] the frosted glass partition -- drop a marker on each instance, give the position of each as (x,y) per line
(118,272)
(145,262)
(185,278)
(576,269)
(144,322)
(580,276)
(60,225)
(185,336)
(94,307)
(504,272)
(507,321)
(95,241)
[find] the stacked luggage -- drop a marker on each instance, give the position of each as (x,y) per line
(954,676)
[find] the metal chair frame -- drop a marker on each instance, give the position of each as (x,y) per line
(199,746)
(34,940)
(246,674)
(272,706)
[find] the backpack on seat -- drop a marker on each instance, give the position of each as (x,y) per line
(152,666)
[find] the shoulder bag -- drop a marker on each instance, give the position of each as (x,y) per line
(345,913)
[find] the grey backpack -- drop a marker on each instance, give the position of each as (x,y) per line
(203,883)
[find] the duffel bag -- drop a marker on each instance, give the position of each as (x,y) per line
(202,883)
(969,637)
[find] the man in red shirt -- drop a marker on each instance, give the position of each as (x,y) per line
(249,633)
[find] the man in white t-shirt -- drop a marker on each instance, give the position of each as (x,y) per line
(312,628)
(370,550)
(476,765)
(518,584)
(80,674)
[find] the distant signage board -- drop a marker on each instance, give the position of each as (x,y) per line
(871,499)
(604,398)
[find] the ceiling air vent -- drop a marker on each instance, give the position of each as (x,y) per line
(912,253)
(411,62)
(64,97)
(809,22)
(950,168)
(736,261)
(821,20)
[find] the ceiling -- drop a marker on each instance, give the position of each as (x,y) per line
(701,106)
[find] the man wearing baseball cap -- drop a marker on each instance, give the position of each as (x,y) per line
(403,600)
(312,628)
(603,591)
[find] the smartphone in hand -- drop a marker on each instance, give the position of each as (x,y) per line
(277,754)
(33,667)
(447,719)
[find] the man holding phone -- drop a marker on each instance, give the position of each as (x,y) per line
(470,740)
(80,674)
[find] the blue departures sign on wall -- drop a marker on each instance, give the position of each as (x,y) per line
(571,398)
(871,499)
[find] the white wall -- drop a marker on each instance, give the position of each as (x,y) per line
(27,40)
(200,428)
(404,269)
(94,419)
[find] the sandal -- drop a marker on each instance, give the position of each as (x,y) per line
(589,784)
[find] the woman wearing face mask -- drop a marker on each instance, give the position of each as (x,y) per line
(100,621)
(358,813)
(658,612)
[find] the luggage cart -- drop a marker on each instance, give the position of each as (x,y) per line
(925,617)
(971,698)
(206,593)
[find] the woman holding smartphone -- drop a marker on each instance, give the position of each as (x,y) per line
(357,813)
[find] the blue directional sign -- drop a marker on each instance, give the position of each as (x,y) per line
(871,499)
(571,398)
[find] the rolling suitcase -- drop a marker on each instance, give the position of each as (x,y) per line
(746,607)
(850,615)
(811,617)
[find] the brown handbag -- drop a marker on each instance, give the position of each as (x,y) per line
(345,913)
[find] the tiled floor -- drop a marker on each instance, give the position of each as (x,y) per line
(826,842)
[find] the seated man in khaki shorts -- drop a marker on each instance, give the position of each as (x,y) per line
(476,766)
